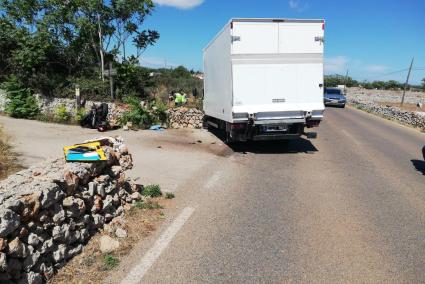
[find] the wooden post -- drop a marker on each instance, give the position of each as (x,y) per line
(77,97)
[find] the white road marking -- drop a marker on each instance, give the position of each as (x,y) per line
(137,273)
(351,137)
(211,182)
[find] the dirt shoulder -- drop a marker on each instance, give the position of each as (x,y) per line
(160,157)
(8,161)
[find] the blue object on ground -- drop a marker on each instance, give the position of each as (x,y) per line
(156,128)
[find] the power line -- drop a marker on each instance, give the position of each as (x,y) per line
(387,74)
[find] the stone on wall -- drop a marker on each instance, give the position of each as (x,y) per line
(185,117)
(43,223)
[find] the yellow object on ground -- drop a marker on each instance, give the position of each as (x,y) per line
(86,152)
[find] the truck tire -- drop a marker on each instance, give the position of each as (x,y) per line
(229,139)
(205,124)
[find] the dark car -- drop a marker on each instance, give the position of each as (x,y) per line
(334,97)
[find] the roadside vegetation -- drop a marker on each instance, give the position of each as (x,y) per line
(93,266)
(152,190)
(51,47)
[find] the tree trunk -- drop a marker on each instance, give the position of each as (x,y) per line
(102,61)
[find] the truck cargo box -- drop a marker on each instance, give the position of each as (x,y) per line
(262,72)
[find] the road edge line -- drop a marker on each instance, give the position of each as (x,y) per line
(139,271)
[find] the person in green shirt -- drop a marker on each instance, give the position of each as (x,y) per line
(180,99)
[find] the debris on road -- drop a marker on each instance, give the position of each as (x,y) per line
(156,127)
(87,152)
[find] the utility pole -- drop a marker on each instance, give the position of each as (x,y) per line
(407,82)
(346,82)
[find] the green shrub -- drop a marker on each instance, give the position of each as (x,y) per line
(110,261)
(152,190)
(79,114)
(22,103)
(137,115)
(159,111)
(62,114)
(169,195)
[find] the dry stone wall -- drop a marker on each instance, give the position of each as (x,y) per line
(185,118)
(49,211)
(415,119)
(48,106)
(180,117)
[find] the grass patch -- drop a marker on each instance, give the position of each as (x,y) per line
(153,190)
(110,261)
(150,205)
(169,195)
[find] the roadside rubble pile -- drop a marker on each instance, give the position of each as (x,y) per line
(415,119)
(49,211)
(185,117)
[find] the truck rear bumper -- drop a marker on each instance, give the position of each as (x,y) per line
(268,137)
(271,131)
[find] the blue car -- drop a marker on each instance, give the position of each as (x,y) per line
(334,97)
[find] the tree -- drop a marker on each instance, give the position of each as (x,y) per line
(335,80)
(392,84)
(43,37)
(423,83)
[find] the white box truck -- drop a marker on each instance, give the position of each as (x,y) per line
(264,79)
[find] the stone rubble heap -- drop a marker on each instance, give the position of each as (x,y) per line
(48,212)
(415,119)
(185,118)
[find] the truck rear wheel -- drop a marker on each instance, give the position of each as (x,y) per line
(229,139)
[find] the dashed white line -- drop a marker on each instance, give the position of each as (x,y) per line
(137,273)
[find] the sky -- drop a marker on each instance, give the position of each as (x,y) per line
(372,39)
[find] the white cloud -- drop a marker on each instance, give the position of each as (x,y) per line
(293,4)
(180,4)
(298,5)
(336,65)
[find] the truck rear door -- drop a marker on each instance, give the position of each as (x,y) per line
(277,65)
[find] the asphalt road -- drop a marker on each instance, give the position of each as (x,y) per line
(348,207)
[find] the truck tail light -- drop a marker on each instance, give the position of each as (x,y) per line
(238,126)
(323,26)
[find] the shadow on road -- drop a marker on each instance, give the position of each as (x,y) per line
(275,147)
(300,145)
(419,165)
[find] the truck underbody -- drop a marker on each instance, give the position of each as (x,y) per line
(263,130)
